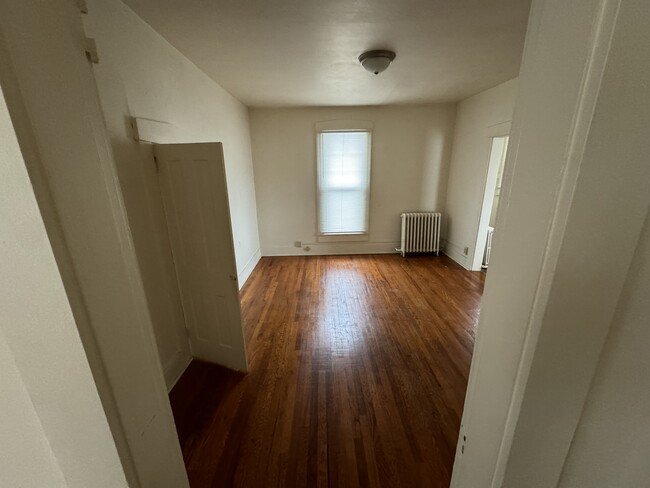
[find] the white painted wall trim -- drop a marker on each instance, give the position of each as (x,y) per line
(344,124)
(455,253)
(176,368)
(248,268)
(325,238)
(334,248)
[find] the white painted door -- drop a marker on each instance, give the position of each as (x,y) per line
(195,197)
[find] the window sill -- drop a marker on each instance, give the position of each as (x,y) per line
(362,237)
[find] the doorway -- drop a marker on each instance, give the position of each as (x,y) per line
(492,192)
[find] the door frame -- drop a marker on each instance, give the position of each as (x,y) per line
(60,130)
(491,171)
(549,190)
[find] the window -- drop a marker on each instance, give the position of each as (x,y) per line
(343,181)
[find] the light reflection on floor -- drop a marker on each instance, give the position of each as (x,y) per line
(343,310)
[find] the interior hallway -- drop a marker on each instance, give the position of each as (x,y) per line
(358,372)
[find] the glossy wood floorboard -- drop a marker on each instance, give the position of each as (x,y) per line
(358,372)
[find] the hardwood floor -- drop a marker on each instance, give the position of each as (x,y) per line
(358,372)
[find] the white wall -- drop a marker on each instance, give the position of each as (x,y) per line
(142,75)
(410,158)
(569,224)
(54,431)
(52,98)
(479,118)
(26,458)
(612,443)
(607,208)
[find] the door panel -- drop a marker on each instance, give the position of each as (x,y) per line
(195,197)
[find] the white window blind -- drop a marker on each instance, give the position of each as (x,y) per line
(343,182)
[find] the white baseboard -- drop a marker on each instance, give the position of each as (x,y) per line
(245,273)
(333,248)
(175,369)
(455,253)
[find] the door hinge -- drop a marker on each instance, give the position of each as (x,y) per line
(155,162)
(91,50)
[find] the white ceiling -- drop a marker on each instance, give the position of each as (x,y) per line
(303,52)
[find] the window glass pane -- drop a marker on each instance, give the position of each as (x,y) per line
(344,163)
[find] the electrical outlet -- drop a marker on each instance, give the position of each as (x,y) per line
(297,244)
(466,251)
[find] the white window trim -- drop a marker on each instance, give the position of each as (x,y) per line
(349,237)
(342,126)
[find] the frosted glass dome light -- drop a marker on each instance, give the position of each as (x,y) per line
(376,61)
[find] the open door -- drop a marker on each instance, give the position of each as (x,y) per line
(195,198)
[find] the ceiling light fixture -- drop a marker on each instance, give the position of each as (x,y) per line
(376,61)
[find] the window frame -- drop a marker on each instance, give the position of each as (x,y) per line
(342,126)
